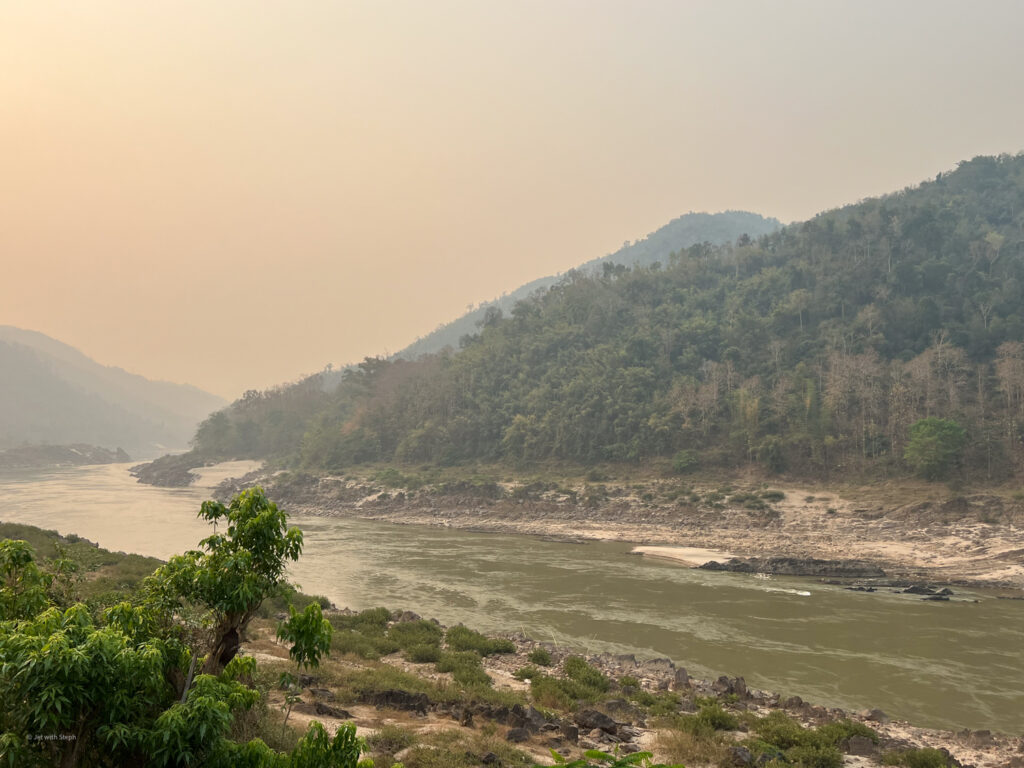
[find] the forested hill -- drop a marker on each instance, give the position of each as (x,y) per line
(812,350)
(50,393)
(681,232)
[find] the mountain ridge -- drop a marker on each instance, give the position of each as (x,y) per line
(52,393)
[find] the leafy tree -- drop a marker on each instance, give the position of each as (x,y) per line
(935,446)
(105,690)
(240,568)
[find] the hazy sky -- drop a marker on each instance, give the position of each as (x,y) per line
(235,193)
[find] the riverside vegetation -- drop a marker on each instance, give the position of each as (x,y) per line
(876,340)
(213,659)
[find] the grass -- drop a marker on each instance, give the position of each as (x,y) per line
(917,758)
(460,638)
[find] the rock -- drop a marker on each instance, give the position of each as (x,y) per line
(875,716)
(517,735)
(489,759)
(799,566)
(918,589)
(323,693)
(682,679)
(329,711)
(937,598)
(401,700)
(535,720)
(793,702)
(977,739)
(740,756)
(591,719)
(406,616)
(570,731)
(658,666)
(859,745)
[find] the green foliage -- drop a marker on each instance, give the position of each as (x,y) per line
(917,758)
(116,685)
(309,634)
(686,460)
(593,758)
(464,667)
(579,671)
(527,673)
(460,638)
(540,657)
(240,568)
(935,446)
(812,348)
(782,738)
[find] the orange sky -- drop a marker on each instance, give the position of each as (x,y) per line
(233,193)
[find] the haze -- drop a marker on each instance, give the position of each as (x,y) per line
(235,193)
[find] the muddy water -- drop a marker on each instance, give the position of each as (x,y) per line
(956,664)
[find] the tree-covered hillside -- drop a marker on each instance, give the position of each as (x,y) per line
(812,350)
(682,232)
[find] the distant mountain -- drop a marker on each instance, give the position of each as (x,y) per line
(50,393)
(679,234)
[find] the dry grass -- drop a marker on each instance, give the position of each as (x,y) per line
(677,746)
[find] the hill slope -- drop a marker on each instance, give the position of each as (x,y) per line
(52,393)
(813,350)
(681,232)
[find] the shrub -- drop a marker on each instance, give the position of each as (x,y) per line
(462,638)
(423,653)
(714,717)
(579,671)
(815,756)
(464,667)
(629,681)
(686,460)
(782,731)
(834,734)
(917,758)
(773,495)
(540,657)
(527,673)
(407,634)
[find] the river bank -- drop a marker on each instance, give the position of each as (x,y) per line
(927,536)
(643,705)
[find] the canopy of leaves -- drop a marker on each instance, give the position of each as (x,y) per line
(809,349)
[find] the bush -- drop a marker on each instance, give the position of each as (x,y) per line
(714,717)
(773,495)
(407,634)
(815,756)
(685,461)
(834,734)
(423,654)
(917,758)
(579,671)
(462,638)
(782,731)
(464,667)
(540,657)
(529,672)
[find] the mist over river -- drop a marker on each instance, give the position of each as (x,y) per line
(952,665)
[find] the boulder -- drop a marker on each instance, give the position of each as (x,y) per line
(517,735)
(740,756)
(329,711)
(859,745)
(591,719)
(682,679)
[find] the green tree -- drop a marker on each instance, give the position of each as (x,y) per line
(240,568)
(935,446)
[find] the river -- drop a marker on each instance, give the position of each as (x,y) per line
(946,665)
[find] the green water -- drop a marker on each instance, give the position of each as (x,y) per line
(956,664)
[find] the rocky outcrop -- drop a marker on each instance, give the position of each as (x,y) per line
(50,456)
(171,471)
(799,566)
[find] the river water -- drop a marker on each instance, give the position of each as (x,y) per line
(951,665)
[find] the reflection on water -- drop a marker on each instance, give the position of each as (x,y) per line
(955,664)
